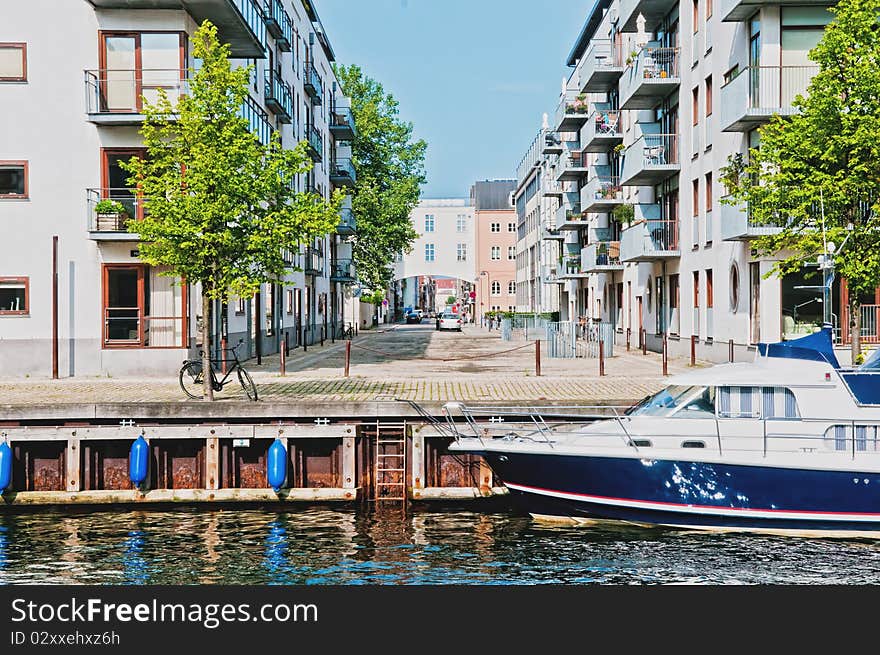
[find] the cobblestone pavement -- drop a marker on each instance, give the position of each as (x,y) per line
(404,362)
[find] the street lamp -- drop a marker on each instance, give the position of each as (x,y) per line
(488,290)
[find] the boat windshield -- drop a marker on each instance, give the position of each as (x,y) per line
(872,363)
(682,401)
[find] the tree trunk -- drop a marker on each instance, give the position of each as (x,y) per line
(855,327)
(207,377)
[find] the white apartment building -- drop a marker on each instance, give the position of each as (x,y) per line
(661,95)
(74,295)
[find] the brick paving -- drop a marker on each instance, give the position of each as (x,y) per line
(402,362)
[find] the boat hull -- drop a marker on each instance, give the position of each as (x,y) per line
(693,494)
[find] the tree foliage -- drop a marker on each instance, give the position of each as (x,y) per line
(390,170)
(221,209)
(824,161)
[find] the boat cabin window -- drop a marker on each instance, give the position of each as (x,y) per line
(840,437)
(678,401)
(872,363)
(757,402)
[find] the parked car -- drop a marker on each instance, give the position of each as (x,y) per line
(449,321)
(413,317)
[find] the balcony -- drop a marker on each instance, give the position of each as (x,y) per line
(572,112)
(278,24)
(601,257)
(239,22)
(571,165)
(654,12)
(342,125)
(258,120)
(602,192)
(737,224)
(347,224)
(600,67)
(279,99)
(109,212)
(737,11)
(568,214)
(551,188)
(342,271)
(602,131)
(650,240)
(552,234)
(316,143)
(552,143)
(651,77)
(117,97)
(651,159)
(312,83)
(571,268)
(342,173)
(758,93)
(313,261)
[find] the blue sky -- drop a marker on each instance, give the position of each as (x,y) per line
(473,76)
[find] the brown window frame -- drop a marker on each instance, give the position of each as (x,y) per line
(710,292)
(17,196)
(27,296)
(24,72)
(708,178)
(695,184)
(710,89)
(105,173)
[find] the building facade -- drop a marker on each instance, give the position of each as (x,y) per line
(632,196)
(495,240)
(74,295)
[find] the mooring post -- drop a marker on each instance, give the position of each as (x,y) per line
(223,355)
(538,357)
(730,351)
(601,358)
(628,338)
(693,350)
(73,461)
(348,462)
(665,356)
(212,463)
(347,356)
(644,333)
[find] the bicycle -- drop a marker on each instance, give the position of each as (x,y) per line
(348,332)
(192,380)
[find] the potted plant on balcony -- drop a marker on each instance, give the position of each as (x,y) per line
(624,213)
(111,215)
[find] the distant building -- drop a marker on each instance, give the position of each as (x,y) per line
(495,241)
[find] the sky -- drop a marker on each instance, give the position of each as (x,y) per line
(473,76)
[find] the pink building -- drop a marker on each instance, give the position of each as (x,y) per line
(495,242)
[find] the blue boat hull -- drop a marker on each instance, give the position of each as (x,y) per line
(691,493)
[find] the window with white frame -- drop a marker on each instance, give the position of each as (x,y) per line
(496,288)
(511,287)
(495,253)
(429,252)
(495,227)
(429,222)
(511,252)
(460,223)
(462,252)
(511,227)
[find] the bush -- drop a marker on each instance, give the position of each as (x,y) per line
(107,206)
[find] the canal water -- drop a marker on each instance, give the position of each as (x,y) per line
(328,546)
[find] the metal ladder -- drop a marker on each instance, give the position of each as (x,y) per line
(390,467)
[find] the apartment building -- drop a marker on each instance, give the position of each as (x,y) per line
(74,295)
(495,240)
(661,95)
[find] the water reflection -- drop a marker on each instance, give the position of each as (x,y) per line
(323,546)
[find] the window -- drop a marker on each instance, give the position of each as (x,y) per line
(13,179)
(13,62)
(289,301)
(708,9)
(240,306)
(734,288)
(429,222)
(674,304)
(708,196)
(495,227)
(511,287)
(496,288)
(695,96)
(460,223)
(757,402)
(696,196)
(14,295)
(511,227)
(142,309)
(495,253)
(462,252)
(709,96)
(269,309)
(696,16)
(429,252)
(696,288)
(511,252)
(709,292)
(136,65)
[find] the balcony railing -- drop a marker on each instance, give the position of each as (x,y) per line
(127,326)
(342,172)
(258,120)
(110,220)
(653,75)
(571,267)
(738,224)
(757,93)
(600,67)
(342,271)
(650,240)
(342,123)
(598,257)
(568,214)
(279,98)
(571,166)
(118,96)
(278,24)
(870,322)
(651,159)
(312,84)
(572,112)
(313,261)
(602,131)
(551,187)
(347,224)
(552,233)
(601,193)
(316,143)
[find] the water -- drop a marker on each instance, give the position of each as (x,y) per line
(325,546)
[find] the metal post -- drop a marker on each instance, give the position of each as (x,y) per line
(54,307)
(283,359)
(538,357)
(286,342)
(665,356)
(644,341)
(223,355)
(304,342)
(347,356)
(730,351)
(601,357)
(258,311)
(628,338)
(322,336)
(693,350)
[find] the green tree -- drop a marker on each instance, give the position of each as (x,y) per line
(220,206)
(450,300)
(390,170)
(816,175)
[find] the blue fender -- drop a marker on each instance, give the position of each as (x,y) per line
(276,465)
(138,461)
(5,467)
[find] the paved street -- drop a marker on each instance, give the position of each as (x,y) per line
(412,362)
